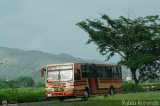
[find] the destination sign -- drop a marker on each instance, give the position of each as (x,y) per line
(60,67)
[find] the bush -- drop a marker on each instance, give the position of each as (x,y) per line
(25,81)
(40,84)
(129,87)
(22,94)
(17,83)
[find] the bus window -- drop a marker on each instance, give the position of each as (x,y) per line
(89,71)
(103,72)
(82,68)
(115,72)
(78,75)
(99,72)
(88,68)
(108,71)
(120,72)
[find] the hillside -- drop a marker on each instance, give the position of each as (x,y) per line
(15,62)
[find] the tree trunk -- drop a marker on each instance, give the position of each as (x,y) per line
(134,76)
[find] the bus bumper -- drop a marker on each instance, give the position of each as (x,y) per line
(59,94)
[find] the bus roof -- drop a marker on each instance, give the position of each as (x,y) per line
(83,64)
(59,64)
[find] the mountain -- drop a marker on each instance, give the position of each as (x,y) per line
(16,62)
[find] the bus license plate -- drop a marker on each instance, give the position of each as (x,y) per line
(49,95)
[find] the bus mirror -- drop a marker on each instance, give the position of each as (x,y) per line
(42,72)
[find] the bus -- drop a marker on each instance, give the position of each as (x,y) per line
(81,80)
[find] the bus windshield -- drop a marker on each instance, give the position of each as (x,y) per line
(65,75)
(52,76)
(59,73)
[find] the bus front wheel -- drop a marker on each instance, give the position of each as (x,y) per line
(86,95)
(61,99)
(112,90)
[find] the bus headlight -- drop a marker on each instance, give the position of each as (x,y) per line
(50,90)
(68,89)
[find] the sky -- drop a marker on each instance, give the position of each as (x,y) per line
(50,25)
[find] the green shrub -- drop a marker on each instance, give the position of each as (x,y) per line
(129,87)
(40,84)
(22,94)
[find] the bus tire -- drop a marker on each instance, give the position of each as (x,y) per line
(49,98)
(86,95)
(61,99)
(112,92)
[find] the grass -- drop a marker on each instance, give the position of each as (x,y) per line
(131,96)
(38,94)
(22,94)
(117,100)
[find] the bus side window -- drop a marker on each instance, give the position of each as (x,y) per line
(110,72)
(120,72)
(106,69)
(99,72)
(78,75)
(88,69)
(103,72)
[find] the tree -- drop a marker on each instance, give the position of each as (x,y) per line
(137,41)
(150,72)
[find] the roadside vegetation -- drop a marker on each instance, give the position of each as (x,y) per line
(35,94)
(17,83)
(23,94)
(129,87)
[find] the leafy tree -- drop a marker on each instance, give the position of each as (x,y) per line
(150,72)
(137,41)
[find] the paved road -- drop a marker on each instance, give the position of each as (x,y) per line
(45,103)
(42,103)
